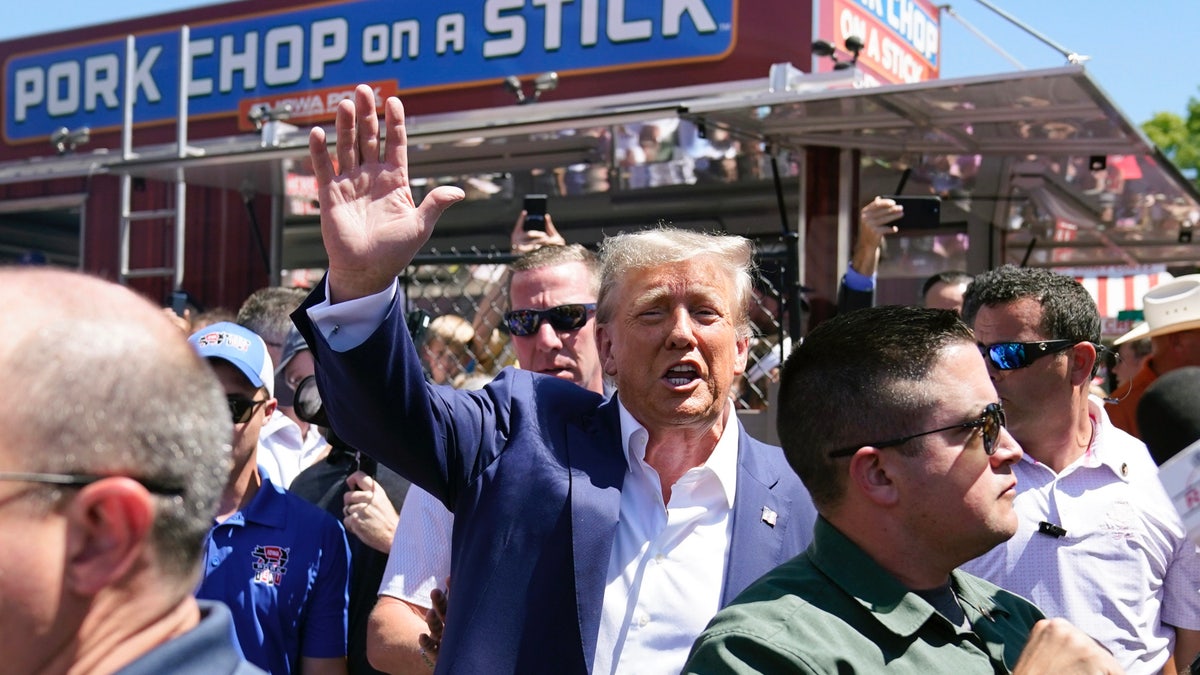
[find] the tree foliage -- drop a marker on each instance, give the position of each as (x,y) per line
(1178,137)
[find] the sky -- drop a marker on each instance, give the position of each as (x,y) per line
(1142,53)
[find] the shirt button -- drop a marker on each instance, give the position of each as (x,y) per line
(643,620)
(658,558)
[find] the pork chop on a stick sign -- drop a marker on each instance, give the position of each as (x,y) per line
(901,38)
(311,56)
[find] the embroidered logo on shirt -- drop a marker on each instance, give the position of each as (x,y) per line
(270,564)
(1120,523)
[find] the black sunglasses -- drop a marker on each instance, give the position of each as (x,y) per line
(242,408)
(522,322)
(1014,355)
(85,479)
(990,422)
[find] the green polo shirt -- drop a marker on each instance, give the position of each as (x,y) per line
(832,609)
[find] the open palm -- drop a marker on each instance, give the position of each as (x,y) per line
(370,224)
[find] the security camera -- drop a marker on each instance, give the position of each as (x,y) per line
(513,84)
(65,140)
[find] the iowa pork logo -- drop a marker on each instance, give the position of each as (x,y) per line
(270,564)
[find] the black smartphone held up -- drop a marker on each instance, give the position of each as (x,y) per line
(920,213)
(179,301)
(535,212)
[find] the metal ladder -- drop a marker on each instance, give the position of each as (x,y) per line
(175,214)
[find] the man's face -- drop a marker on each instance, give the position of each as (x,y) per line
(1039,393)
(945,296)
(570,355)
(299,367)
(956,496)
(672,344)
(1127,365)
(443,364)
(245,434)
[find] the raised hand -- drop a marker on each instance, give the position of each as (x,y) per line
(1055,646)
(524,241)
(370,224)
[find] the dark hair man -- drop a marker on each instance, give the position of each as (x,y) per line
(889,418)
(1099,541)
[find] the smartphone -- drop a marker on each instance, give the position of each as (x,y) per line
(535,212)
(920,213)
(179,301)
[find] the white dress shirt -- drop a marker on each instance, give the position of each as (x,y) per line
(283,452)
(667,566)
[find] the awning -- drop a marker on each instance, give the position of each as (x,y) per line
(1020,147)
(1043,132)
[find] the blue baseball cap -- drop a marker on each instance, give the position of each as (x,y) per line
(240,346)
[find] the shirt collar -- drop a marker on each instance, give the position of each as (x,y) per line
(267,507)
(1102,451)
(880,593)
(722,462)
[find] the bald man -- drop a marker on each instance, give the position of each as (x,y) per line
(112,456)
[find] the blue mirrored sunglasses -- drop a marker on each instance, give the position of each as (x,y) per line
(1014,355)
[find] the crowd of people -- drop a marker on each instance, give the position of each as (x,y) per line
(308,487)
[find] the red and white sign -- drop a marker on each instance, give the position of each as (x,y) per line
(901,38)
(1118,290)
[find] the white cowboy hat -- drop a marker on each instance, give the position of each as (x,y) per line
(1168,308)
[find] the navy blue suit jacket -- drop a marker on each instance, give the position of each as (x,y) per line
(532,468)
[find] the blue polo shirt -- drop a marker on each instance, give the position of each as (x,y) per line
(281,566)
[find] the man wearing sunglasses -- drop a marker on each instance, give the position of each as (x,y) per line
(1099,541)
(279,562)
(111,463)
(905,454)
(591,534)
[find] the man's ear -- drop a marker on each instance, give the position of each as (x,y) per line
(604,346)
(109,525)
(1083,360)
(743,354)
(870,475)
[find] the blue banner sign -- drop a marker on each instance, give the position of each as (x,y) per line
(314,54)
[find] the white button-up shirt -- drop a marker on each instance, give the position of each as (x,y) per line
(283,452)
(667,566)
(1125,572)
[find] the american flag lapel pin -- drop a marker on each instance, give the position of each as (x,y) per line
(769,517)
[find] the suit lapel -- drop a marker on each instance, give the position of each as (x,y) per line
(760,519)
(597,465)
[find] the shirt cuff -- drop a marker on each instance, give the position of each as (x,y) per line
(857,281)
(348,324)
